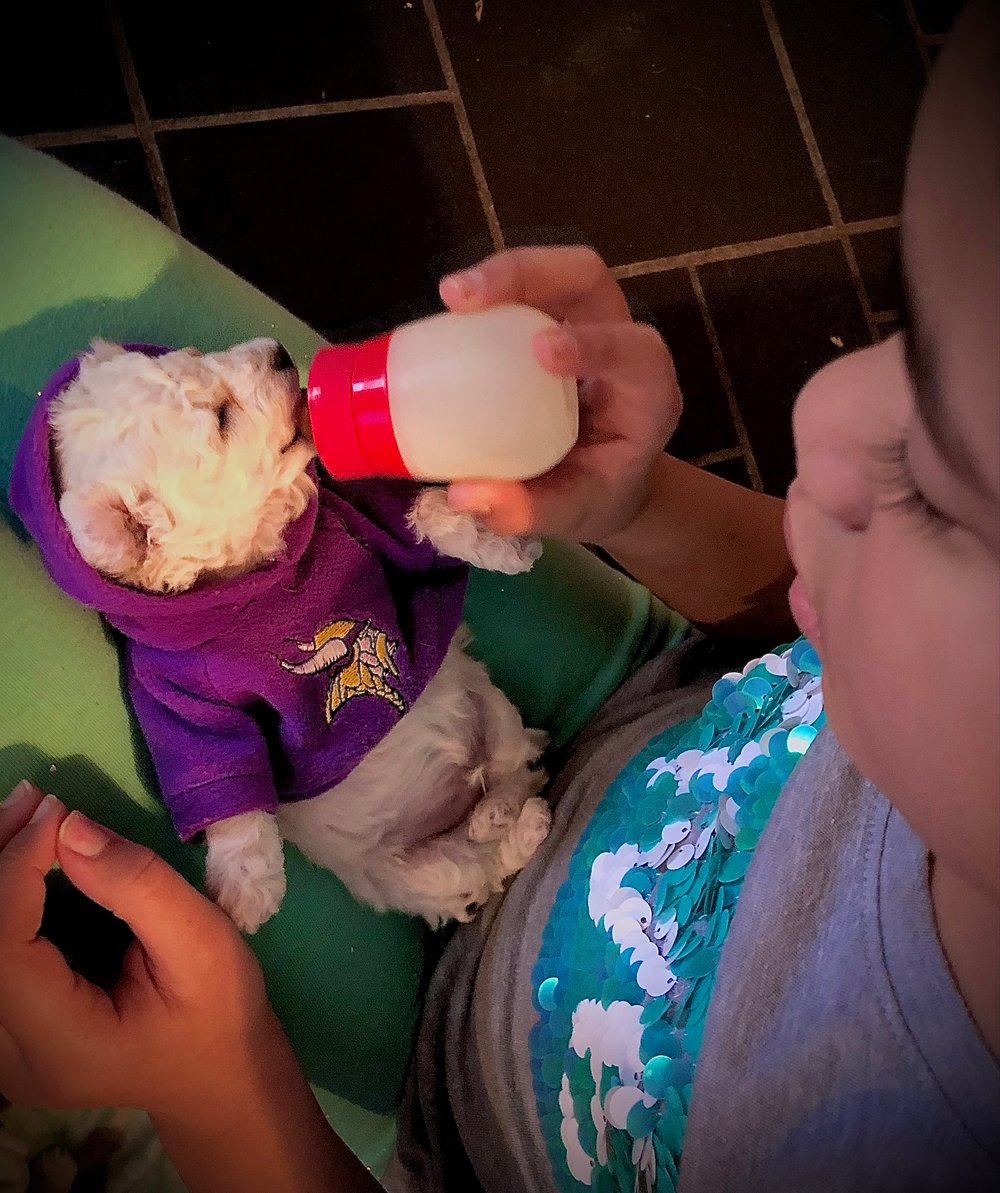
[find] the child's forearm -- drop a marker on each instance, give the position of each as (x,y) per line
(265,1134)
(713,551)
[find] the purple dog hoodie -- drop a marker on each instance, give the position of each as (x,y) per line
(271,686)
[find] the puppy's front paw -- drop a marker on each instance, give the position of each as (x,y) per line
(460,535)
(249,902)
(245,868)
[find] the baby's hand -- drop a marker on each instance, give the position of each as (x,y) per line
(629,400)
(179,1026)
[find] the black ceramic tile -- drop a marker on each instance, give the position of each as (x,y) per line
(734,470)
(936,16)
(355,242)
(653,127)
(60,70)
(667,301)
(861,77)
(777,317)
(119,165)
(202,60)
(877,254)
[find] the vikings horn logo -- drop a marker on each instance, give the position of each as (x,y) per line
(371,664)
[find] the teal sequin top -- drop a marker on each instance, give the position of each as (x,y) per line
(628,957)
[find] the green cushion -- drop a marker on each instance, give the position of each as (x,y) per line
(79,262)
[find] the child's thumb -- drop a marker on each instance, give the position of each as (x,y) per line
(502,506)
(163,910)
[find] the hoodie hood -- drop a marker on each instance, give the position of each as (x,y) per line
(170,621)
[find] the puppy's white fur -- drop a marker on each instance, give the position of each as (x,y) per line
(190,465)
(181,465)
(467,764)
(460,535)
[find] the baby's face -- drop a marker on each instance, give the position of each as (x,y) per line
(180,466)
(893,519)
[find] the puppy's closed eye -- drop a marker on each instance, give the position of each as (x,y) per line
(224,414)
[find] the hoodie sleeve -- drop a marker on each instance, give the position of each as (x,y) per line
(210,757)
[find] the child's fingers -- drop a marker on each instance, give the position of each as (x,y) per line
(560,281)
(40,998)
(565,500)
(17,809)
(13,1073)
(174,923)
(505,507)
(24,862)
(556,503)
(630,354)
(47,1008)
(22,1081)
(630,415)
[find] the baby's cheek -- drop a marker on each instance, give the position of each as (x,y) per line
(903,687)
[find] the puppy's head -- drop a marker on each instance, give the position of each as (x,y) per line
(183,465)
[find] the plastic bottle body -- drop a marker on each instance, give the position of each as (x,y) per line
(468,398)
(445,398)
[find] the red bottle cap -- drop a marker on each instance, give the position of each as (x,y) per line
(348,394)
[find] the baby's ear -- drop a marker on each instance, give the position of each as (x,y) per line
(102,350)
(108,534)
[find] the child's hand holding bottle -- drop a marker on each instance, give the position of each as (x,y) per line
(629,399)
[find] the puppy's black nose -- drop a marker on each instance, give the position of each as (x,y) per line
(281,360)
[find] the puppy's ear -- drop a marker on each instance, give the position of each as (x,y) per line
(108,534)
(102,350)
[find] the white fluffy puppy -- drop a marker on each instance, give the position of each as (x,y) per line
(189,466)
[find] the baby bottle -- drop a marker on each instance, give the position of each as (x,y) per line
(452,396)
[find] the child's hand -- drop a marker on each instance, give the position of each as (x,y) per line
(629,400)
(183,1018)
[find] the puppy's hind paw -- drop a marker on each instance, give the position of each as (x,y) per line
(491,818)
(524,837)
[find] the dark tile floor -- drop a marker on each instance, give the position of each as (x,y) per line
(738,162)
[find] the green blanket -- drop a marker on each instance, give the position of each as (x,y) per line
(79,262)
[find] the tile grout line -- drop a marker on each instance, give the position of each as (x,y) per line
(119,132)
(727,382)
(819,167)
(719,457)
(141,116)
(753,248)
(377,103)
(98,134)
(918,34)
(464,127)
